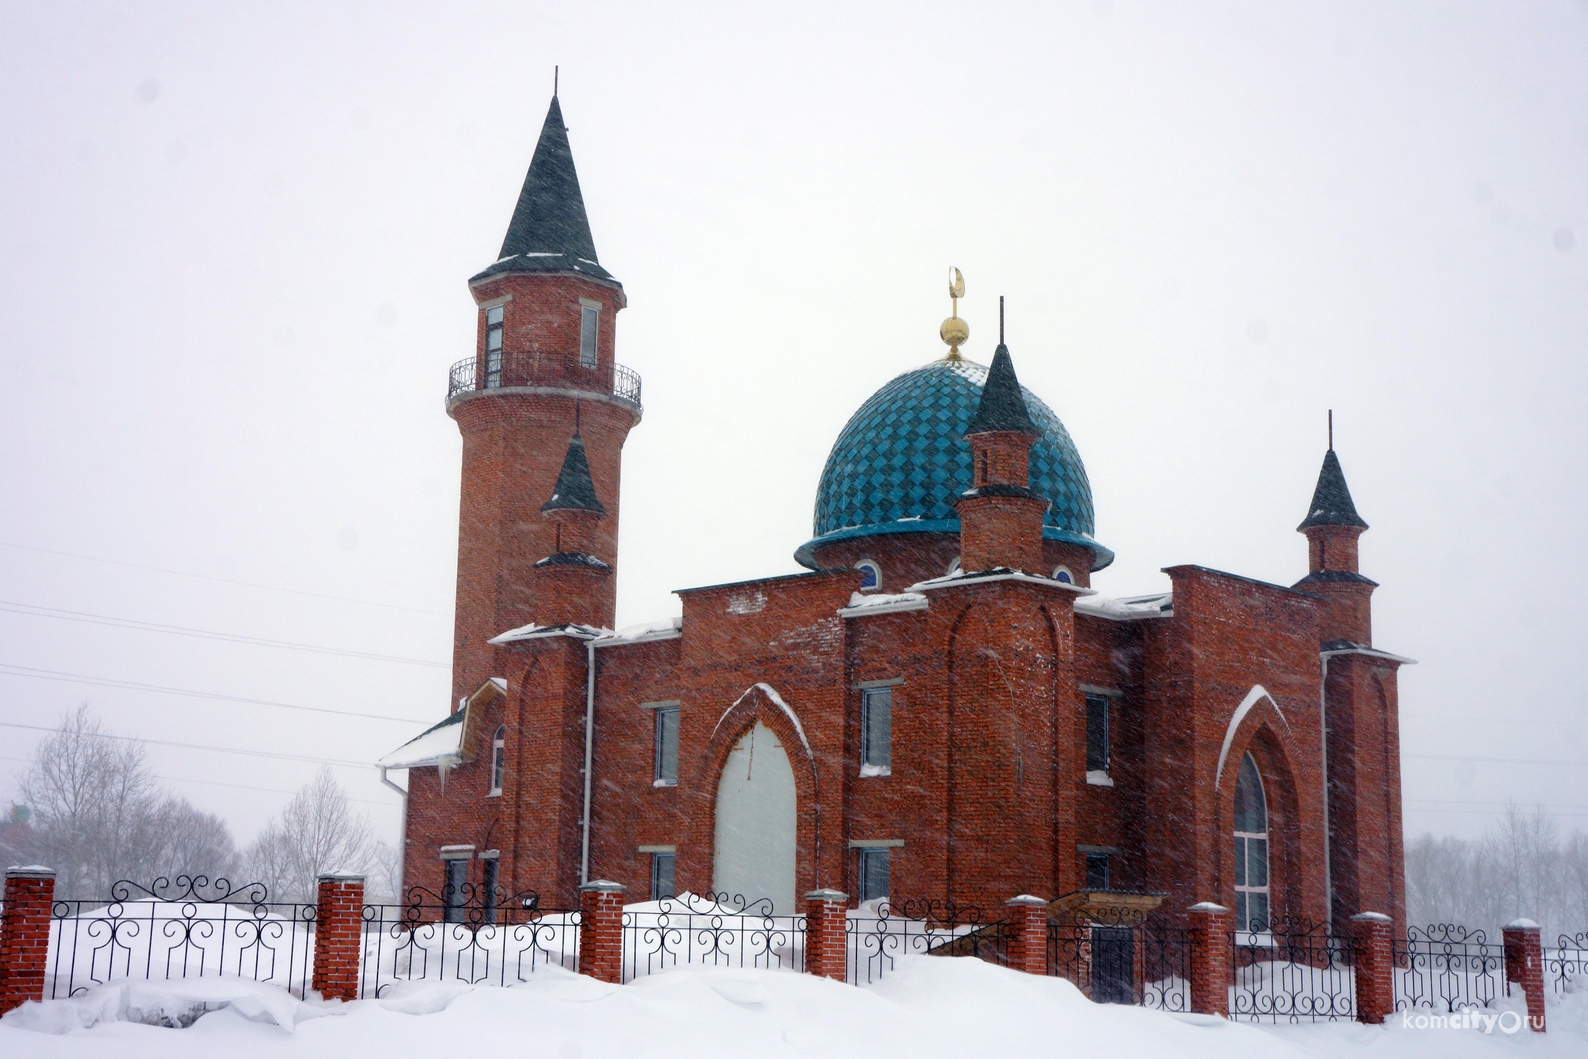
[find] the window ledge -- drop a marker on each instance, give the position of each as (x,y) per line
(665,783)
(494,794)
(1099,778)
(867,771)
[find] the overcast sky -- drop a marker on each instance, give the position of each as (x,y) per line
(233,254)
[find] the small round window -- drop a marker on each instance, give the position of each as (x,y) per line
(870,574)
(1062,573)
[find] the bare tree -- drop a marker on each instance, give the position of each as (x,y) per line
(317,832)
(99,814)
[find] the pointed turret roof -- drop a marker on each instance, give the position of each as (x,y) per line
(1002,406)
(1331,501)
(549,231)
(574,489)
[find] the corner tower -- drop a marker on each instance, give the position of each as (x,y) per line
(1332,528)
(543,371)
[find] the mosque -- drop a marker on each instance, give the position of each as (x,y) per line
(940,707)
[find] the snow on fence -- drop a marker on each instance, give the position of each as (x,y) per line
(712,930)
(1566,965)
(1293,972)
(879,932)
(1123,956)
(190,928)
(1447,967)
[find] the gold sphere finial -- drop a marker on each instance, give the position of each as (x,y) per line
(954,332)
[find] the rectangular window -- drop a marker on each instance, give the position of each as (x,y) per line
(493,346)
(589,326)
(662,875)
(873,873)
(666,747)
(490,872)
(1096,733)
(1097,871)
(498,762)
(876,731)
(452,892)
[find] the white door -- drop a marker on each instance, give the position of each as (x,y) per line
(755,822)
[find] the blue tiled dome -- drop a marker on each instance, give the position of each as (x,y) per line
(902,459)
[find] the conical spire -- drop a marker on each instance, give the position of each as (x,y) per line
(1002,405)
(574,490)
(549,231)
(1331,501)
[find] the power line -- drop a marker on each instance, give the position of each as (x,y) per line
(8,669)
(33,610)
(218,783)
(1498,760)
(201,746)
(222,580)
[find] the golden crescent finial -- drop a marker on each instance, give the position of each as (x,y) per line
(954,331)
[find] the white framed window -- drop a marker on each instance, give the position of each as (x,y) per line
(589,330)
(662,886)
(1062,573)
(871,872)
(498,761)
(493,346)
(876,732)
(870,575)
(1251,850)
(666,757)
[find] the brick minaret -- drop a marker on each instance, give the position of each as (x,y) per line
(1000,518)
(1332,527)
(543,371)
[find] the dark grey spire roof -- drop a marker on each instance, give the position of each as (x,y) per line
(1331,501)
(549,231)
(1002,407)
(574,490)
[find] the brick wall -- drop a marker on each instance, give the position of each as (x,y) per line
(338,934)
(25,935)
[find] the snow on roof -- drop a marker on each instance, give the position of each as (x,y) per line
(444,740)
(1001,573)
(665,629)
(1131,608)
(538,632)
(864,604)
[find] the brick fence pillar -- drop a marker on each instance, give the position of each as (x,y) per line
(1375,966)
(601,930)
(1210,958)
(338,934)
(827,934)
(1524,966)
(25,934)
(1028,934)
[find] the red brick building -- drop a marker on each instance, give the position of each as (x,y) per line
(940,707)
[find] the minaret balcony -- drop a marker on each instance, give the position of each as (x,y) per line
(534,371)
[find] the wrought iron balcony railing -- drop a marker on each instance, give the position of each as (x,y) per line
(532,369)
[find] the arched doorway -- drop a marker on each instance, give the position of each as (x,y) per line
(755,821)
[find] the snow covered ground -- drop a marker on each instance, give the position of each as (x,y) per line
(931,1007)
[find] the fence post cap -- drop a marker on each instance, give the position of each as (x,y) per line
(340,875)
(827,895)
(1523,923)
(29,871)
(1026,900)
(1207,908)
(1371,917)
(602,886)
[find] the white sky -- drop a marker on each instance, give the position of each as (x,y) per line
(233,253)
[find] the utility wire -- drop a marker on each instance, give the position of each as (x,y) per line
(202,746)
(222,580)
(8,669)
(33,610)
(218,783)
(1498,760)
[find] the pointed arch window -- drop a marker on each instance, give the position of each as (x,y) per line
(498,761)
(1251,850)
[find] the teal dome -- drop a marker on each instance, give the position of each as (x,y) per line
(902,459)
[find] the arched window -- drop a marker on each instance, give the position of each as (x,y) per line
(1251,849)
(870,574)
(498,761)
(1062,573)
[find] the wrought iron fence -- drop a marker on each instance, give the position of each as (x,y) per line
(717,930)
(1296,971)
(1446,966)
(1566,964)
(189,927)
(522,369)
(898,928)
(1123,956)
(475,936)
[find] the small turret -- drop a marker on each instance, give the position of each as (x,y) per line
(1332,527)
(572,578)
